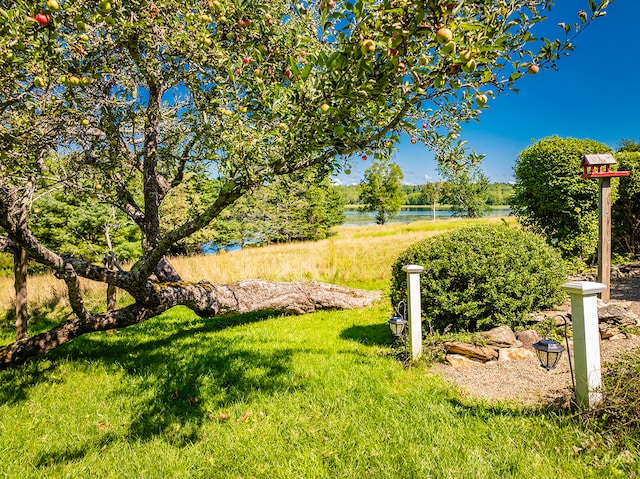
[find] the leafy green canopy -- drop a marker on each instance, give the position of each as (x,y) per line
(244,84)
(122,99)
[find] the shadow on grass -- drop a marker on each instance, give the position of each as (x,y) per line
(70,454)
(178,372)
(486,410)
(370,335)
(18,381)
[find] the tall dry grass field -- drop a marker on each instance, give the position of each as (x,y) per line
(355,256)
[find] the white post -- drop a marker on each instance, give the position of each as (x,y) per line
(586,340)
(414,307)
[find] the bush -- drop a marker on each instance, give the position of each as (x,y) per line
(626,210)
(551,199)
(480,277)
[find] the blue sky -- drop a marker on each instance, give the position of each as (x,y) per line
(594,94)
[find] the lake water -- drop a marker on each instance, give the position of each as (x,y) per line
(408,215)
(354,218)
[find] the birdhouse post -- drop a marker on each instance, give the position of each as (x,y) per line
(599,166)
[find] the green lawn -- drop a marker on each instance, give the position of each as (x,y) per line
(314,396)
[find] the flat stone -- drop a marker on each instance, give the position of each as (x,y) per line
(618,337)
(607,331)
(528,337)
(611,312)
(502,337)
(458,360)
(514,354)
(471,350)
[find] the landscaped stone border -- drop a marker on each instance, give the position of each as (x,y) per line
(504,344)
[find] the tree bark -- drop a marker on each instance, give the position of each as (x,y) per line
(20,262)
(206,300)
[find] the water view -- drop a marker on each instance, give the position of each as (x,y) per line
(409,215)
(355,218)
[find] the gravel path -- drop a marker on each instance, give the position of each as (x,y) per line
(525,382)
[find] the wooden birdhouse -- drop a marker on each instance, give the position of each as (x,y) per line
(599,166)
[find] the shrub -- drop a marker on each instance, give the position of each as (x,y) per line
(551,199)
(480,277)
(626,211)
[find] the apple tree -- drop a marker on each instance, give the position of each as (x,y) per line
(124,99)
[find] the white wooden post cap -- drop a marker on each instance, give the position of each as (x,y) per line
(584,288)
(413,268)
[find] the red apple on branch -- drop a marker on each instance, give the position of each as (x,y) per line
(42,19)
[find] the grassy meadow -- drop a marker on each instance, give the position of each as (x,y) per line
(269,396)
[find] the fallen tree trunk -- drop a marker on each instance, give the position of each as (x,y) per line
(206,299)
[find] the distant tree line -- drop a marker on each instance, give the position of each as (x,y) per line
(420,195)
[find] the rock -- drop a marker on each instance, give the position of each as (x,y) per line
(458,360)
(514,354)
(536,318)
(618,337)
(501,337)
(528,337)
(607,331)
(611,312)
(471,350)
(616,313)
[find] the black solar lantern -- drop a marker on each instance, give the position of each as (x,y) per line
(549,353)
(398,323)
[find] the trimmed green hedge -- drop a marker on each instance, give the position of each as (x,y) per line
(480,277)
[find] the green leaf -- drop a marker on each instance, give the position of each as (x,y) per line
(333,58)
(305,72)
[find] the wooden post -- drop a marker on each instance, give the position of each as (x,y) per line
(592,167)
(586,340)
(414,304)
(604,238)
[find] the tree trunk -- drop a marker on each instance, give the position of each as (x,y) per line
(207,300)
(112,299)
(20,261)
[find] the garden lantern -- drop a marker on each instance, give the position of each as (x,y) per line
(598,166)
(549,353)
(398,323)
